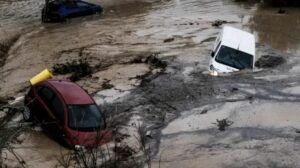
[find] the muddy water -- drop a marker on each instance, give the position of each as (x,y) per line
(277,30)
(134,29)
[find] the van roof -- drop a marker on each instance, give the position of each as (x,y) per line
(238,39)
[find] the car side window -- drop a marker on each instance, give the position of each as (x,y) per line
(58,108)
(52,101)
(81,4)
(46,94)
(70,4)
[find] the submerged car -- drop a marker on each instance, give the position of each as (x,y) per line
(233,50)
(60,10)
(67,112)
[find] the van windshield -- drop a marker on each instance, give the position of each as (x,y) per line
(85,117)
(234,58)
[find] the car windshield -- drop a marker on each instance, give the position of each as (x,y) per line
(85,117)
(234,58)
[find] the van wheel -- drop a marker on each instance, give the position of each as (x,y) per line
(27,114)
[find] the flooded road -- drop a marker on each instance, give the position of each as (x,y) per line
(172,104)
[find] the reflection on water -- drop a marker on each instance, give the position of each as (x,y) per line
(279,31)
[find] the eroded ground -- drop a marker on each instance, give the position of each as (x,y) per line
(178,104)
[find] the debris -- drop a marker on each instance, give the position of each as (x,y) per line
(152,60)
(251,98)
(234,89)
(124,151)
(269,61)
(119,137)
(204,111)
(107,85)
(77,68)
(222,124)
(218,23)
(169,40)
(155,61)
(281,11)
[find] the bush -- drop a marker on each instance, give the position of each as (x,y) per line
(77,68)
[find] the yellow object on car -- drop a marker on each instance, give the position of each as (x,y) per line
(42,76)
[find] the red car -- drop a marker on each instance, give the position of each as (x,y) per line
(67,112)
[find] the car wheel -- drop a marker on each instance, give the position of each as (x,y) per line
(27,114)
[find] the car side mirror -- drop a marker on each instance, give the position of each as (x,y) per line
(212,54)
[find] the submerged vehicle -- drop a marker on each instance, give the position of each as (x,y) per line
(233,50)
(67,113)
(60,10)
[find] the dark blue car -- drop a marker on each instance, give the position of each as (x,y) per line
(60,10)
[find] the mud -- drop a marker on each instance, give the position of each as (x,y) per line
(170,91)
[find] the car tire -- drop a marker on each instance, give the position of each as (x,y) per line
(27,114)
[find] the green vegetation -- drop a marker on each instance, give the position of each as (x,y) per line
(77,68)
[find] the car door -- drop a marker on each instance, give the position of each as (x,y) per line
(58,109)
(52,109)
(42,111)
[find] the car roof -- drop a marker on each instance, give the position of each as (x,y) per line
(71,92)
(238,39)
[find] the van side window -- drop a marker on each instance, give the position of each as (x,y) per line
(218,46)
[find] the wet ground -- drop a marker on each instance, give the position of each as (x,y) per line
(180,104)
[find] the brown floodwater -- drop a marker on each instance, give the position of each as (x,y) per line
(126,30)
(280,31)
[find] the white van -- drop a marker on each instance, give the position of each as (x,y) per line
(233,50)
